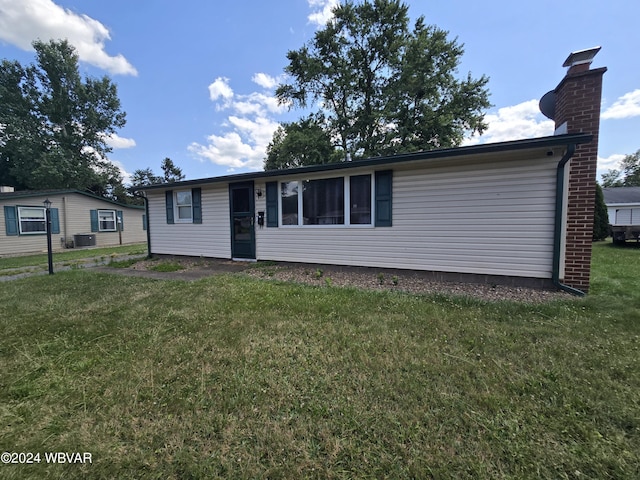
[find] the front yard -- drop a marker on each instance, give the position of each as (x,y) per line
(237,377)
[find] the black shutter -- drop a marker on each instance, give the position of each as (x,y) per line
(196,199)
(272,204)
(168,196)
(384,188)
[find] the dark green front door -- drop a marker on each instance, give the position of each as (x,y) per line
(242,206)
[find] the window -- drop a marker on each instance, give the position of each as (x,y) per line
(289,192)
(360,200)
(32,220)
(106,221)
(327,201)
(183,206)
(323,201)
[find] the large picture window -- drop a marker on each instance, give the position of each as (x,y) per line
(32,220)
(327,201)
(106,220)
(323,201)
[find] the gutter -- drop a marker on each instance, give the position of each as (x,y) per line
(146,212)
(557,236)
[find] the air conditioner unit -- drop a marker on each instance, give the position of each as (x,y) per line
(84,239)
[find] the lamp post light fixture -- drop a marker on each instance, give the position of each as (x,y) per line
(47,207)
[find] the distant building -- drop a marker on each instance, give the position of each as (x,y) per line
(77,219)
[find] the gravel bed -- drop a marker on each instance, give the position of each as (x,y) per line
(366,278)
(406,281)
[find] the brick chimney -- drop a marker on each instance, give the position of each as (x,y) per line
(577,110)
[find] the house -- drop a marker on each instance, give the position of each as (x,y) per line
(518,212)
(623,205)
(77,219)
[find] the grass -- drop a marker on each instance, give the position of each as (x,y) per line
(167,267)
(69,256)
(232,377)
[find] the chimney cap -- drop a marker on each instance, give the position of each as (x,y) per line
(581,57)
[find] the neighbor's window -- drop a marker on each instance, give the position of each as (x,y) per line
(184,203)
(360,200)
(106,220)
(32,220)
(323,201)
(289,193)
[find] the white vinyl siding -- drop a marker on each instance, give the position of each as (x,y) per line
(465,215)
(493,218)
(211,238)
(624,216)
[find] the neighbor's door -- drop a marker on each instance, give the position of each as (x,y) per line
(242,206)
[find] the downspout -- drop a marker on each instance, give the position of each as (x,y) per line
(146,212)
(557,237)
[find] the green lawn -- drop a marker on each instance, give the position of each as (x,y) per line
(68,257)
(233,377)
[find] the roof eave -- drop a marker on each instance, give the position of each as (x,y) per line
(514,145)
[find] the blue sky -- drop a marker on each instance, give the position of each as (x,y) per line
(197,78)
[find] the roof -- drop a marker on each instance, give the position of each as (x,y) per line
(515,145)
(613,195)
(42,193)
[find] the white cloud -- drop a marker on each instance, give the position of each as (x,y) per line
(115,141)
(220,89)
(265,80)
(322,11)
(610,162)
(230,150)
(251,122)
(513,123)
(126,176)
(23,21)
(626,106)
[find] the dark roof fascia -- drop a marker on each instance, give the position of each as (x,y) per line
(541,142)
(40,193)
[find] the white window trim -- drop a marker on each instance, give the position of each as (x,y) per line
(115,221)
(347,204)
(176,208)
(20,221)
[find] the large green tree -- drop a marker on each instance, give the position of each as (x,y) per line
(54,124)
(627,176)
(383,86)
(300,143)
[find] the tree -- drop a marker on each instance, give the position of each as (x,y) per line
(600,217)
(141,178)
(55,125)
(300,143)
(627,176)
(172,173)
(383,87)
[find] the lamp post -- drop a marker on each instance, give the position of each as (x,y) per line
(47,207)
